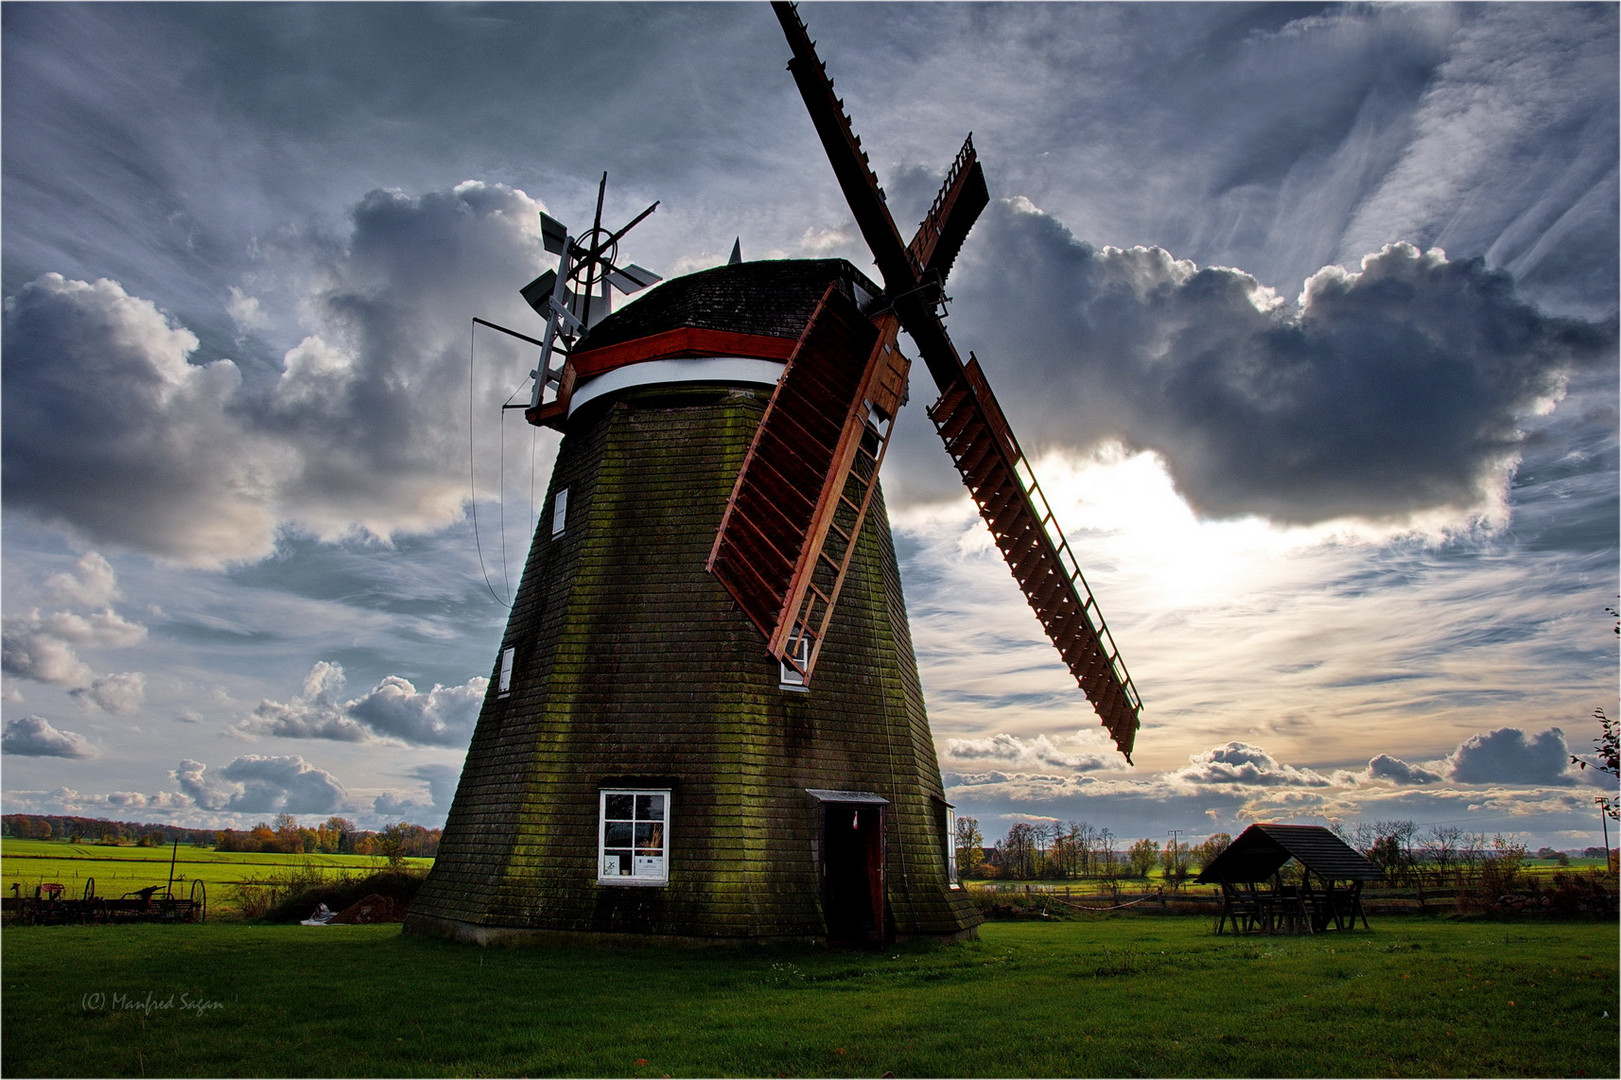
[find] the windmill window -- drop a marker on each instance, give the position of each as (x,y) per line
(560,512)
(633,837)
(790,677)
(504,686)
(951,849)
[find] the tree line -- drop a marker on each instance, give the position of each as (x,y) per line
(1409,855)
(283,835)
(1077,850)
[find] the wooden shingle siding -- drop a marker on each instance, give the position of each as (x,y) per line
(632,661)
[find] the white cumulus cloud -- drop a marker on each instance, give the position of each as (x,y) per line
(33,736)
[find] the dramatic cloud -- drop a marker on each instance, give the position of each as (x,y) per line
(113,432)
(1397,771)
(260,784)
(317,713)
(441,781)
(92,584)
(1509,756)
(393,709)
(1034,753)
(42,645)
(1242,764)
(122,693)
(443,716)
(199,788)
(1390,390)
(33,736)
(27,653)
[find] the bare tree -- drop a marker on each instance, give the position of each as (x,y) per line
(1018,850)
(1439,848)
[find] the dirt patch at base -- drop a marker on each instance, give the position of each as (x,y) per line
(372,909)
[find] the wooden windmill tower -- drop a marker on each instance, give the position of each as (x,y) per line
(644,762)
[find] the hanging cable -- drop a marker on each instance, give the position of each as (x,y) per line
(472,470)
(506,575)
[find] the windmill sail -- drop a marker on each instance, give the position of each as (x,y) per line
(786,539)
(998,476)
(975,432)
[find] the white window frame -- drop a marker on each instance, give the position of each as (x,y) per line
(788,677)
(953,877)
(560,511)
(628,863)
(504,682)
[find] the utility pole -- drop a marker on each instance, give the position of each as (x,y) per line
(1176,855)
(1604,819)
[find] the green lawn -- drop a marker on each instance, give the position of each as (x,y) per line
(118,870)
(1113,997)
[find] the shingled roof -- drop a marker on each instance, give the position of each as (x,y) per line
(773,298)
(1261,850)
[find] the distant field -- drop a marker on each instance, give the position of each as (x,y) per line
(1099,997)
(118,870)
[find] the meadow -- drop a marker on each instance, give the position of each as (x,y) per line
(118,870)
(1117,996)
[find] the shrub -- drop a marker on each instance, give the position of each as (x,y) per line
(295,904)
(255,897)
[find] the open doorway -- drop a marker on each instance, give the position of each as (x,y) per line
(853,872)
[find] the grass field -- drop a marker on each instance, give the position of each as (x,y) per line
(1139,996)
(118,870)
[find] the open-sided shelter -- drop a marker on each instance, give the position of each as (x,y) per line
(1255,898)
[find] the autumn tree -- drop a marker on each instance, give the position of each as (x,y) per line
(1604,759)
(1214,845)
(288,839)
(338,835)
(1141,857)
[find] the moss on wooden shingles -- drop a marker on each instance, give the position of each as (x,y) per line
(633,661)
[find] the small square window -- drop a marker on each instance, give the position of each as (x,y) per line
(560,512)
(789,677)
(504,687)
(633,838)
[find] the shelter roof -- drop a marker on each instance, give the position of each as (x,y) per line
(1261,850)
(771,298)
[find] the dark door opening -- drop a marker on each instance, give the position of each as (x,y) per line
(853,872)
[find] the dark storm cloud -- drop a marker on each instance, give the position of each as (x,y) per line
(33,736)
(1390,390)
(115,433)
(1509,756)
(111,432)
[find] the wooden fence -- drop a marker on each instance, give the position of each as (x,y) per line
(1201,900)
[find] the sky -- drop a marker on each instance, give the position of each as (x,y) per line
(1307,315)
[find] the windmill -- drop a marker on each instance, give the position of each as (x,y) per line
(578,294)
(642,765)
